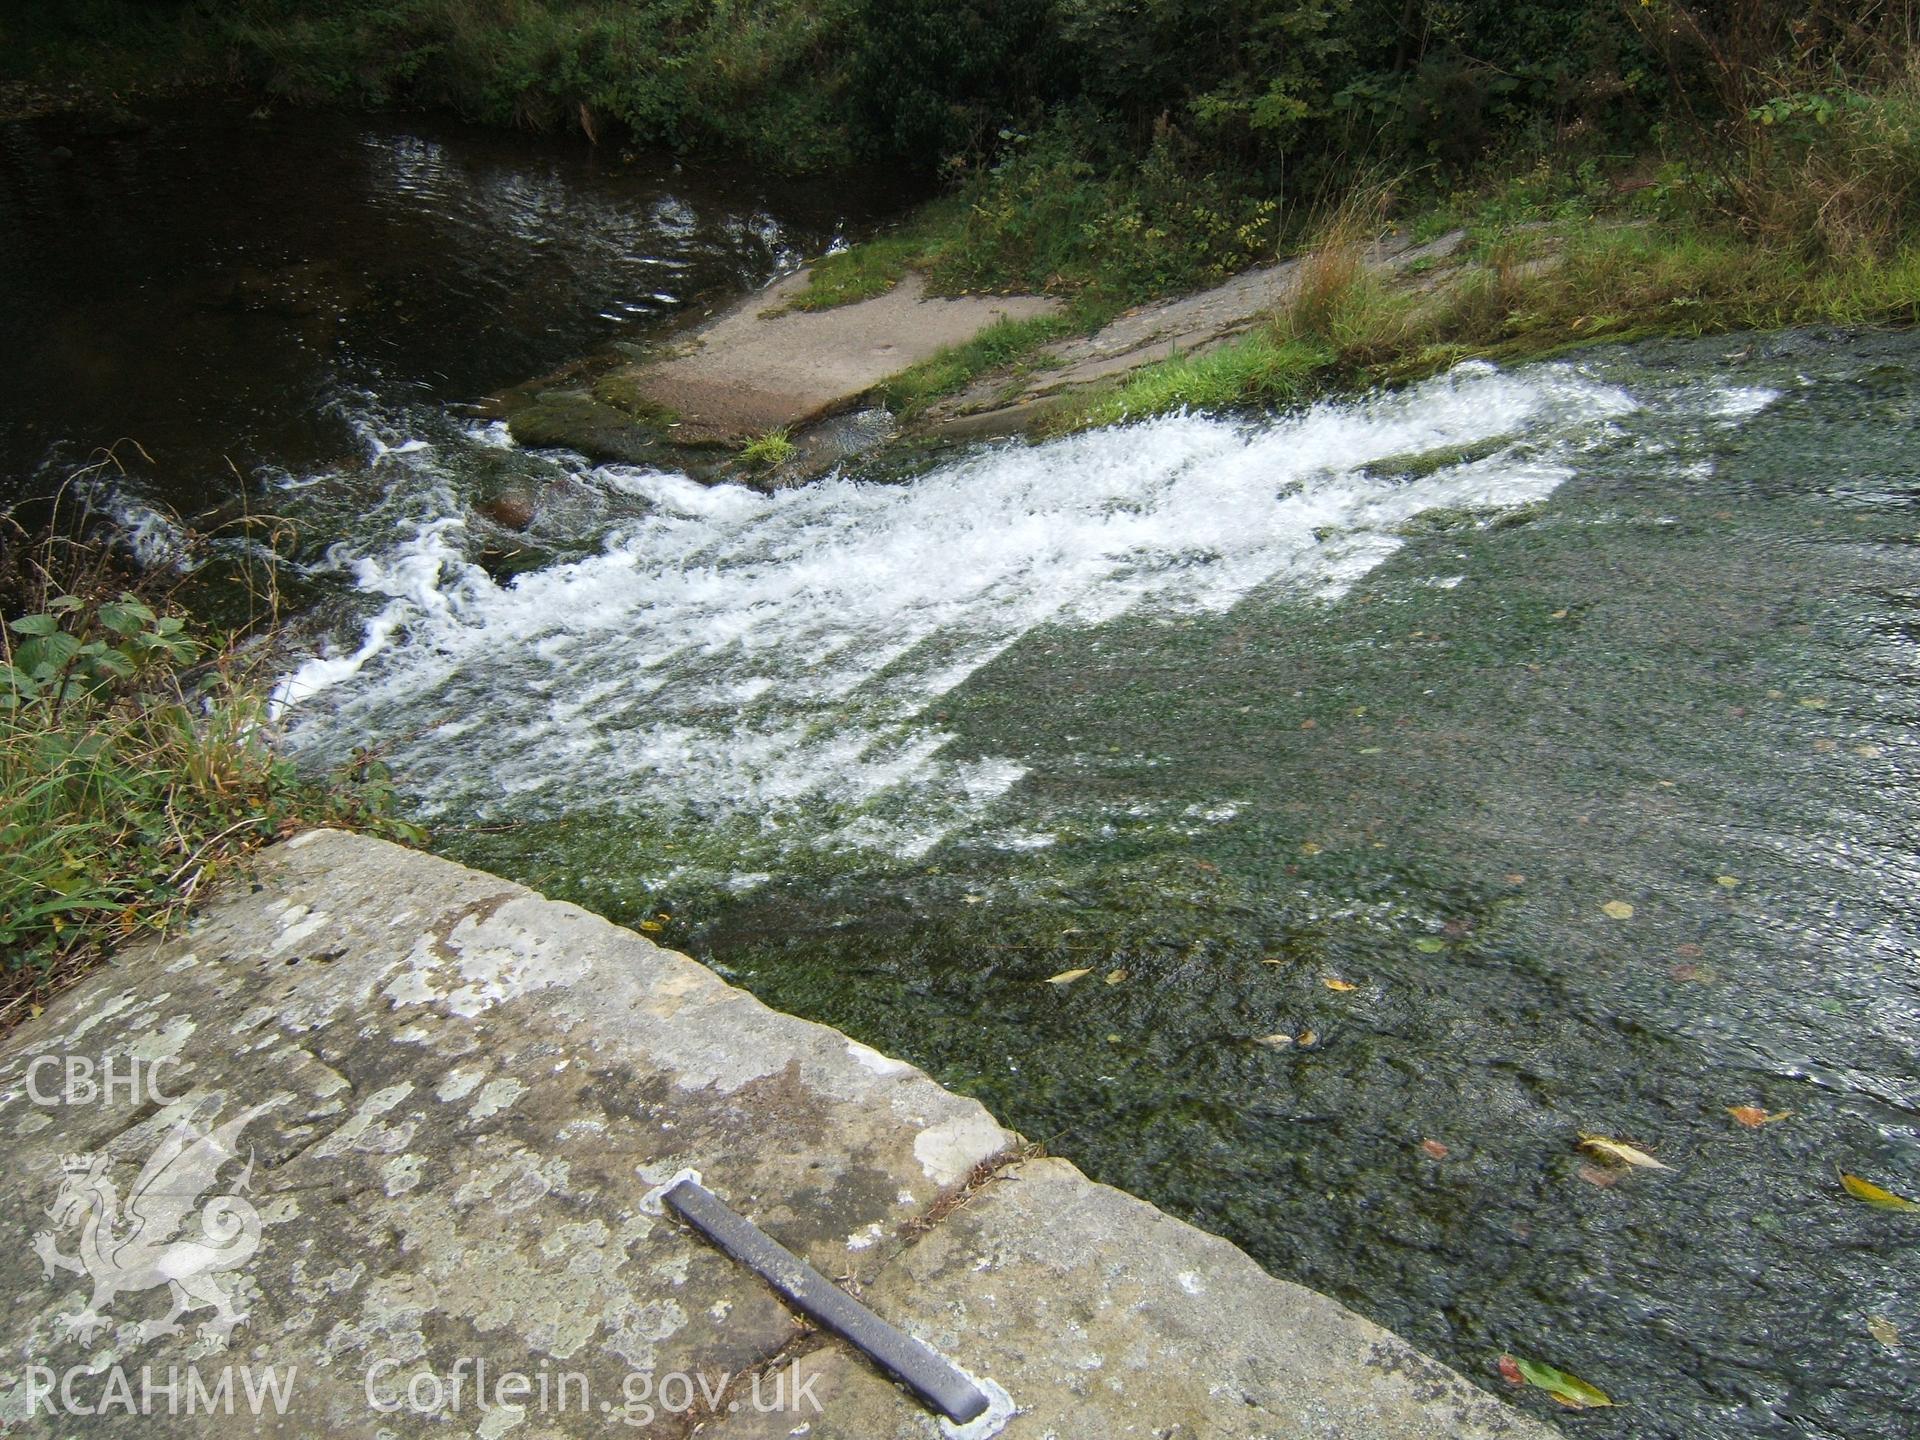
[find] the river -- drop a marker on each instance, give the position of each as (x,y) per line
(1420,780)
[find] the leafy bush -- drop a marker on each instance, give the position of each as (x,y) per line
(135,764)
(1047,216)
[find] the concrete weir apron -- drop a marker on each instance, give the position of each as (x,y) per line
(364,1152)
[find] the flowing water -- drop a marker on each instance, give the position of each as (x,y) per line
(1333,747)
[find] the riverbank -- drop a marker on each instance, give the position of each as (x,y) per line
(457,1095)
(1365,304)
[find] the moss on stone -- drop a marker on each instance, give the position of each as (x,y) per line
(572,421)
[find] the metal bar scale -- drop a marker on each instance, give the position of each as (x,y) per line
(934,1380)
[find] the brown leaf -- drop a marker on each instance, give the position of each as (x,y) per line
(1594,1175)
(1434,1149)
(1510,1372)
(1695,974)
(1753,1117)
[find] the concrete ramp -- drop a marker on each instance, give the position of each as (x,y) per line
(760,366)
(367,1152)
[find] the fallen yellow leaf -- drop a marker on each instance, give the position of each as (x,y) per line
(1610,1149)
(1873,1195)
(1332,984)
(1067,977)
(1726,882)
(1882,1330)
(1309,848)
(1306,1038)
(1617,910)
(1276,1041)
(1114,977)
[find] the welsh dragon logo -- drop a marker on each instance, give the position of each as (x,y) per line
(142,1248)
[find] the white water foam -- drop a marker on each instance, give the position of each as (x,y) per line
(734,653)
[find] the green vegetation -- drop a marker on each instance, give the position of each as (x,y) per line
(763,79)
(875,266)
(136,764)
(768,451)
(1517,297)
(1002,346)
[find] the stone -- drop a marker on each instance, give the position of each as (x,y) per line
(566,420)
(510,510)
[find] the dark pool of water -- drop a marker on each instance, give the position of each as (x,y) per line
(226,284)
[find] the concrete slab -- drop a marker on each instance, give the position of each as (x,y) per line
(759,366)
(379,1130)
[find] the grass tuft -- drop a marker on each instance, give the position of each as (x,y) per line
(769,451)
